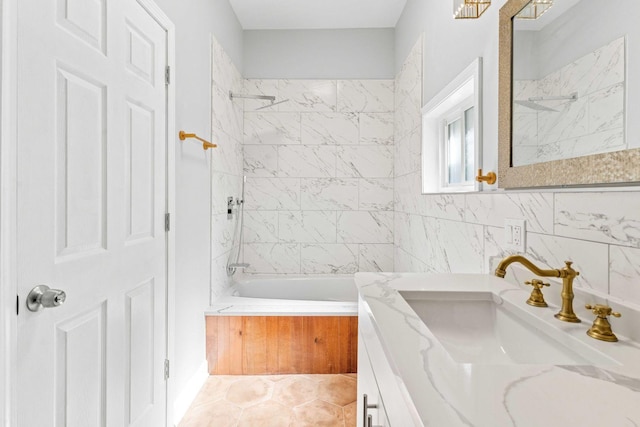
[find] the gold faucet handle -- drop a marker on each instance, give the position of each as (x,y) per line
(601,328)
(537,284)
(537,299)
(602,310)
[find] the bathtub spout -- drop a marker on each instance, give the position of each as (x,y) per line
(232,267)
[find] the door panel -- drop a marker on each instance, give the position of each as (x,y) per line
(91,204)
(140,350)
(85,19)
(140,54)
(80,171)
(81,369)
(139,172)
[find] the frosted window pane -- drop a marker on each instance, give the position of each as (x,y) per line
(455,152)
(469,144)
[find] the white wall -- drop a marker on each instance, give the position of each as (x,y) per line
(598,229)
(319,54)
(450,45)
(195,21)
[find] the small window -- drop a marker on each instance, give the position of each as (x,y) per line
(451,150)
(457,145)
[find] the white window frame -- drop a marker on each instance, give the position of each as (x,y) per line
(463,92)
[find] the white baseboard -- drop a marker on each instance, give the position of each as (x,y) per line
(189,393)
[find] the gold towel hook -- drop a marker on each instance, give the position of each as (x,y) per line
(489,178)
(205,144)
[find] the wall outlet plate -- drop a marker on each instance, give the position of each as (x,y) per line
(515,234)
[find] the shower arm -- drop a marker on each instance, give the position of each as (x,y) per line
(243,96)
(572,97)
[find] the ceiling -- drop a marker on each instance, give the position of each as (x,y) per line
(317,14)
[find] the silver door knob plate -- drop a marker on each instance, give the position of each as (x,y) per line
(43,296)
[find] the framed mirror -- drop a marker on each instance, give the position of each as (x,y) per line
(568,70)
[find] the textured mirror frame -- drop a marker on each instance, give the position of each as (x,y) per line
(617,167)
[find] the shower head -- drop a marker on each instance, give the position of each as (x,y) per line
(271,105)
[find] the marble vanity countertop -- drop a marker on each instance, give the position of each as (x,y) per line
(444,392)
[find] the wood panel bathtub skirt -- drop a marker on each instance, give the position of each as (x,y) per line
(263,345)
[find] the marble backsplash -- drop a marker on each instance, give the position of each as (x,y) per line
(319,167)
(598,230)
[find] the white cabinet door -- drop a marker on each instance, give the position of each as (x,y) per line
(91,202)
(368,386)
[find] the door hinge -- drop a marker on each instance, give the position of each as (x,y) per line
(167,222)
(166,369)
(167,75)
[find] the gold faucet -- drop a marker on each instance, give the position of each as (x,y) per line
(566,273)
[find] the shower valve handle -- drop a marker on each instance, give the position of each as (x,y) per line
(229,207)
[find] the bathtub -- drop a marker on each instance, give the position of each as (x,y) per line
(289,295)
(284,325)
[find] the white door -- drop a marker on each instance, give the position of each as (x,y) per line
(91,204)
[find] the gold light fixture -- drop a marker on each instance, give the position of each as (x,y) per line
(469,9)
(535,9)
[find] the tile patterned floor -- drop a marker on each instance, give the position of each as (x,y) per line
(274,401)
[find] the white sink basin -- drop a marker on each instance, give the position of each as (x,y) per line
(481,328)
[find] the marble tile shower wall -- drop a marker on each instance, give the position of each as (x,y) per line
(226,160)
(599,231)
(319,167)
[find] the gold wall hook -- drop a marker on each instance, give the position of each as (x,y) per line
(601,328)
(205,144)
(490,178)
(537,298)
